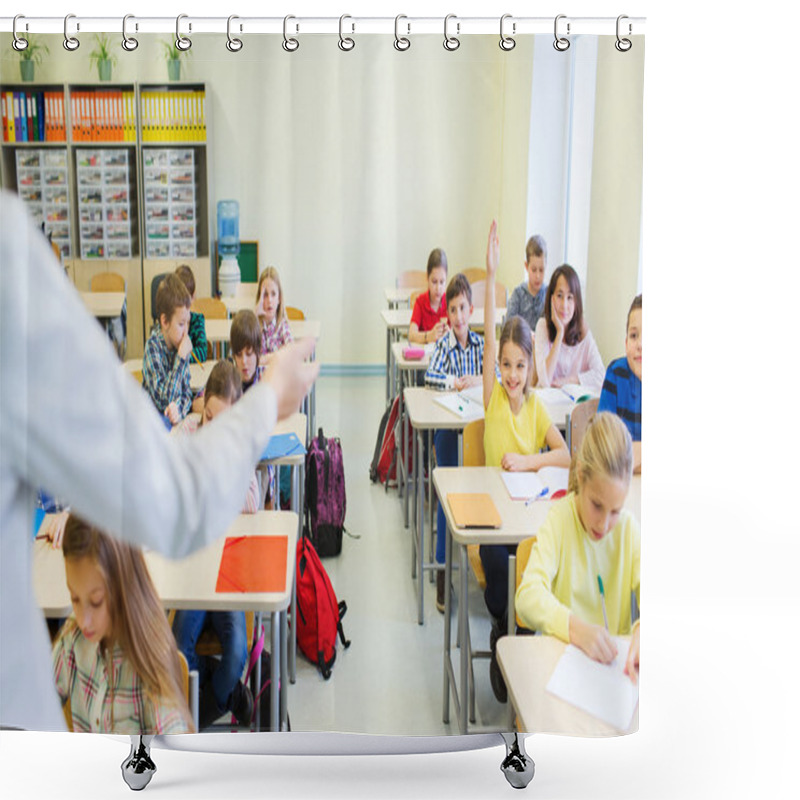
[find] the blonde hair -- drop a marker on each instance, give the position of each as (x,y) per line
(272,274)
(138,622)
(606,449)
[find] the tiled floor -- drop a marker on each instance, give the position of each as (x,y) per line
(390,679)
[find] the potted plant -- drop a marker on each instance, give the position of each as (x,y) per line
(173,57)
(103,56)
(30,57)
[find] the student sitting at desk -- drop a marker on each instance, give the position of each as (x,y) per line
(588,537)
(271,313)
(456,363)
(527,300)
(165,367)
(221,689)
(564,347)
(115,659)
(622,388)
(429,316)
(517,428)
(245,347)
(197,322)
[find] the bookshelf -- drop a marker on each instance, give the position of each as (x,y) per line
(119,175)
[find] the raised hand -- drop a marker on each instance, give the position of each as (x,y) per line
(492,252)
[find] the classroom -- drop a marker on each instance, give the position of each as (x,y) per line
(349,169)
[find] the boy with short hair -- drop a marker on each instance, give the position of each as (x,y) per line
(622,388)
(246,346)
(165,368)
(456,363)
(527,300)
(197,322)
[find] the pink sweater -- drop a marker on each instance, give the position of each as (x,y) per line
(582,359)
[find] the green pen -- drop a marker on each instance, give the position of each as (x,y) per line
(603,598)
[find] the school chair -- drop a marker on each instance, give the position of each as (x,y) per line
(134,366)
(107,282)
(578,420)
(191,688)
(412,279)
(479,294)
(210,308)
(294,313)
(414,295)
(67,709)
(117,329)
(473,274)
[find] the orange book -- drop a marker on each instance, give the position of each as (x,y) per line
(253,564)
(474,510)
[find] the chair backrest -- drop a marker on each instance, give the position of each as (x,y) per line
(579,419)
(107,282)
(154,284)
(184,674)
(210,308)
(473,274)
(479,294)
(523,554)
(472,441)
(294,313)
(412,279)
(414,295)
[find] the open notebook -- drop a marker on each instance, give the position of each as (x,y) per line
(542,484)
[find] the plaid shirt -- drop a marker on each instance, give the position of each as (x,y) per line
(165,375)
(82,672)
(274,336)
(450,360)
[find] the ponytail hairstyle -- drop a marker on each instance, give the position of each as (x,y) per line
(517,331)
(606,450)
(271,273)
(138,622)
(573,333)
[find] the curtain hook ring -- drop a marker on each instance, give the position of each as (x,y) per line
(561,43)
(623,45)
(20,43)
(128,42)
(233,44)
(289,44)
(71,43)
(401,43)
(451,43)
(346,43)
(183,43)
(507,42)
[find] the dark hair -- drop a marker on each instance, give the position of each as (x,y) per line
(245,332)
(536,246)
(437,258)
(458,285)
(224,382)
(184,272)
(637,303)
(574,330)
(517,331)
(171,295)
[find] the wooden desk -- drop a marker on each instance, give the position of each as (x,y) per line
(399,296)
(190,583)
(527,663)
(518,522)
(198,373)
(104,305)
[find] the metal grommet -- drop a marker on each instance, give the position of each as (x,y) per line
(128,42)
(623,45)
(19,43)
(289,44)
(401,43)
(561,43)
(71,43)
(233,44)
(451,43)
(345,42)
(507,42)
(183,43)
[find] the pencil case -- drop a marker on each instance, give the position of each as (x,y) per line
(413,353)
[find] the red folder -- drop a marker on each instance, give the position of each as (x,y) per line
(253,564)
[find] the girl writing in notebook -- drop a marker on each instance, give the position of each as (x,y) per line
(429,316)
(564,347)
(517,431)
(115,659)
(271,312)
(588,534)
(221,689)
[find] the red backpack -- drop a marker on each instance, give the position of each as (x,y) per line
(383,468)
(319,615)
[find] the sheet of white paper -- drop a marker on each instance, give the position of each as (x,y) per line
(574,391)
(554,478)
(602,690)
(461,405)
(551,396)
(474,393)
(522,485)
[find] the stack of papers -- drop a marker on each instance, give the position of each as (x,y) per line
(542,484)
(461,404)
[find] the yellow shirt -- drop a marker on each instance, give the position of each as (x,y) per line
(506,432)
(561,574)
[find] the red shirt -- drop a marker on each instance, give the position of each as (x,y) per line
(424,316)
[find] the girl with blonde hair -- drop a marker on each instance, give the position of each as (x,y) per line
(271,312)
(115,659)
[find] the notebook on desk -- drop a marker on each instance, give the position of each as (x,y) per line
(474,510)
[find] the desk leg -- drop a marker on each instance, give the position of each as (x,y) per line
(431,505)
(257,632)
(420,512)
(463,614)
(297,506)
(274,665)
(448,607)
(283,689)
(413,485)
(388,351)
(405,458)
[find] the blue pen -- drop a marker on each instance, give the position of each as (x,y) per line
(531,499)
(603,598)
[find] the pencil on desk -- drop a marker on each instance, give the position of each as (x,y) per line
(197,361)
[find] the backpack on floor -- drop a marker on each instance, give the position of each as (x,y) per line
(383,468)
(325,496)
(261,696)
(319,614)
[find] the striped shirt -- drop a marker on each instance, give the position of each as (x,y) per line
(165,375)
(622,395)
(197,333)
(450,360)
(97,683)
